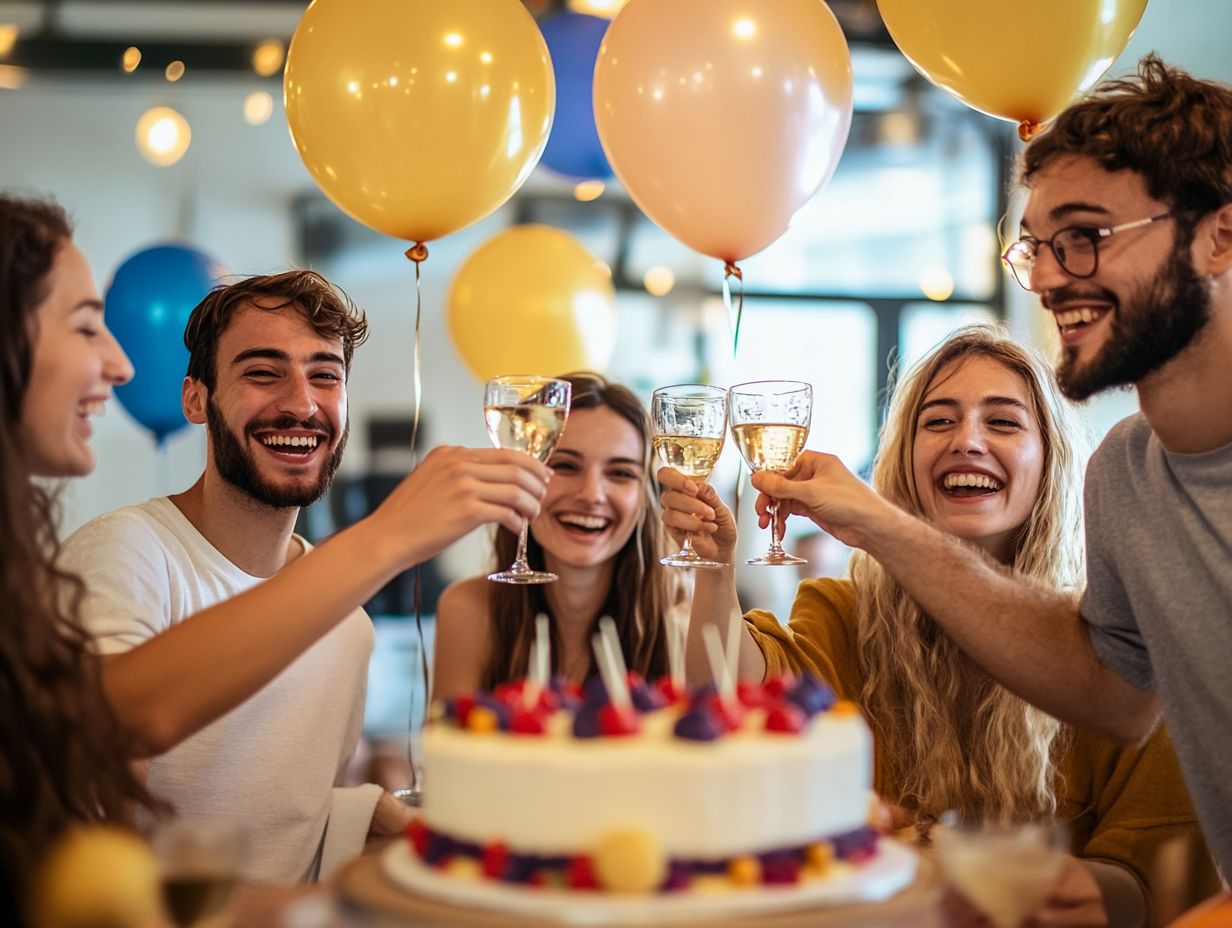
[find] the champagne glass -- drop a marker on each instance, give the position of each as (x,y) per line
(770,423)
(689,425)
(198,866)
(1006,869)
(525,414)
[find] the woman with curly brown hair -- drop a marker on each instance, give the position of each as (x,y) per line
(69,724)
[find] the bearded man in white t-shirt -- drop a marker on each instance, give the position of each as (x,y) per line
(269,358)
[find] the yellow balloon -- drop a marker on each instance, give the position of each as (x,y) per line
(532,300)
(97,875)
(1020,63)
(419,117)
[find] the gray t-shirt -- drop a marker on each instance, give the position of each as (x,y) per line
(1159,599)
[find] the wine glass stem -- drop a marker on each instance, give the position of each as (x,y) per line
(520,566)
(687,547)
(776,546)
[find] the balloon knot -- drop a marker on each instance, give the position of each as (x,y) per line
(730,270)
(1028,128)
(417,252)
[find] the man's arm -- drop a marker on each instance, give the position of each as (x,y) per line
(1034,642)
(181,680)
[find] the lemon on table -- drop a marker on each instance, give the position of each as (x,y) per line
(95,876)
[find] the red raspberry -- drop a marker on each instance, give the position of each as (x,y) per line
(580,874)
(785,717)
(417,834)
(495,860)
(528,722)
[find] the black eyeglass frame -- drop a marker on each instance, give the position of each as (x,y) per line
(1026,249)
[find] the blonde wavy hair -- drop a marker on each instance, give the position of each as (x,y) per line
(949,735)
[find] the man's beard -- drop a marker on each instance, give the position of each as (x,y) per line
(235,463)
(1147,331)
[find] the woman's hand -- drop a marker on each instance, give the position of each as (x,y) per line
(696,509)
(1075,901)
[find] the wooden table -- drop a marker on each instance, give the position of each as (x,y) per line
(362,885)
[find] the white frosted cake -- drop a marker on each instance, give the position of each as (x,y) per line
(672,793)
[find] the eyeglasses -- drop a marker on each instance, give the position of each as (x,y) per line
(1076,249)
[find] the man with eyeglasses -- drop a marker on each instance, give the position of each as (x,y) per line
(1127,239)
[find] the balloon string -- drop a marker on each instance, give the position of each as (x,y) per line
(735,312)
(417,253)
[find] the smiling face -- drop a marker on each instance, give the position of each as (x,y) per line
(597,494)
(1144,304)
(978,453)
(76,362)
(277,414)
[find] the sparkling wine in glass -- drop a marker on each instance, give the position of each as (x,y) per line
(689,424)
(770,424)
(1006,870)
(198,865)
(525,414)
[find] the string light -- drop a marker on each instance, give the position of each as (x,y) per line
(258,107)
(589,190)
(268,57)
(131,59)
(163,135)
(175,71)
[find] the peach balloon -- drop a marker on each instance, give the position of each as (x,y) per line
(723,117)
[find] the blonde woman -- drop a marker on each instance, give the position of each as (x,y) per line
(978,441)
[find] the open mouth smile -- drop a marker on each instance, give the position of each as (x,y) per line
(291,446)
(586,524)
(969,485)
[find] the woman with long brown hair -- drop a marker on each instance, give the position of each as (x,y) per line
(62,752)
(67,726)
(599,532)
(978,440)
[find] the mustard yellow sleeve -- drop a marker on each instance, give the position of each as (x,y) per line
(1126,802)
(819,637)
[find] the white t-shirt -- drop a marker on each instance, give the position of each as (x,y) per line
(272,764)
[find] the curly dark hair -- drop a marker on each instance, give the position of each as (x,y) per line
(1169,127)
(324,306)
(63,755)
(642,589)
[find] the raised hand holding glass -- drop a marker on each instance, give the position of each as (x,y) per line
(689,422)
(770,423)
(527,414)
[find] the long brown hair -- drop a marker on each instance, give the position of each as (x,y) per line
(63,757)
(953,738)
(641,591)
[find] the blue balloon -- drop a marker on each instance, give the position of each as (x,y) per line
(573,148)
(147,307)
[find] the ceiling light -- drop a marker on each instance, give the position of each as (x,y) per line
(936,283)
(163,135)
(659,281)
(12,77)
(8,38)
(589,190)
(258,107)
(268,57)
(606,8)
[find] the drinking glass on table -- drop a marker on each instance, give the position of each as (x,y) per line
(198,867)
(527,414)
(770,424)
(1006,869)
(689,424)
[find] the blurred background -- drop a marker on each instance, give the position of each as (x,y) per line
(899,248)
